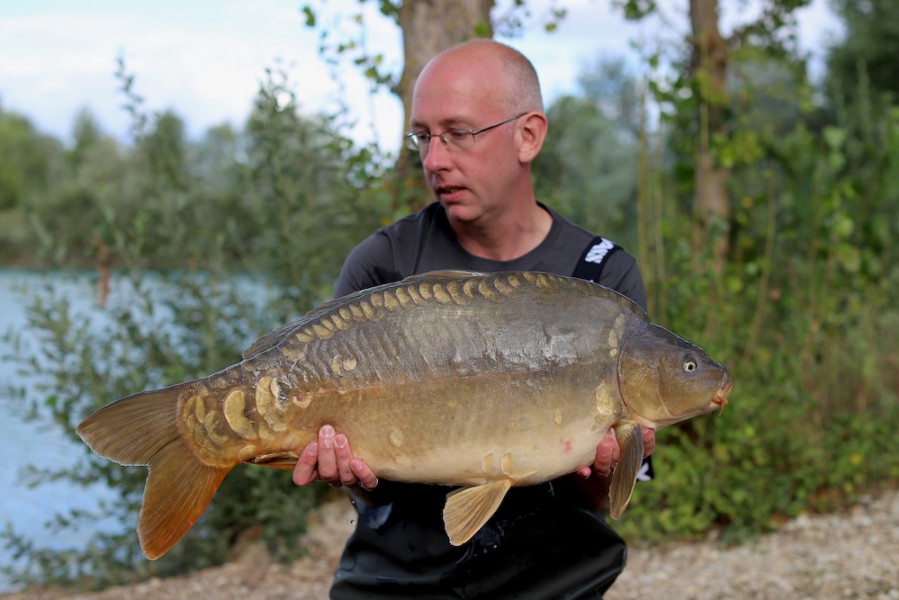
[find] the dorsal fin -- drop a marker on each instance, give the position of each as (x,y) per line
(271,339)
(275,337)
(445,274)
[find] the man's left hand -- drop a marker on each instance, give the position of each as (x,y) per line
(608,452)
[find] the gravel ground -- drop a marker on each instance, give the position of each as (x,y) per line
(851,554)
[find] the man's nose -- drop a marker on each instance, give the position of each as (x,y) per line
(438,155)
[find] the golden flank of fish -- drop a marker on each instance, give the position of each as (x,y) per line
(478,381)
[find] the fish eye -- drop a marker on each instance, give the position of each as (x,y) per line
(690,364)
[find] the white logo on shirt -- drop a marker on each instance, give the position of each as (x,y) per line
(599,251)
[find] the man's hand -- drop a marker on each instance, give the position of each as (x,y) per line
(608,452)
(331,460)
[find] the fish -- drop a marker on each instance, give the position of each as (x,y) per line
(477,381)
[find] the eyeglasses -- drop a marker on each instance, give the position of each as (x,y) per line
(455,138)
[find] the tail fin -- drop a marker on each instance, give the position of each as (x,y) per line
(142,430)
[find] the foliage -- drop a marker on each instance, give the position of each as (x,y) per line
(155,331)
(587,168)
(869,45)
(804,316)
(30,164)
(267,214)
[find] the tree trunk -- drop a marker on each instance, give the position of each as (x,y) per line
(711,204)
(429,27)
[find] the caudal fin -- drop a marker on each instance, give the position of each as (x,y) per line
(142,430)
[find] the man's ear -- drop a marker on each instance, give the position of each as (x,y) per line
(532,130)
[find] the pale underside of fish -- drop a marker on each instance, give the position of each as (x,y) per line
(478,381)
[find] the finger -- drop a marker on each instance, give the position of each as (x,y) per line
(603,463)
(327,459)
(584,472)
(344,454)
(305,471)
(649,441)
(361,470)
(607,454)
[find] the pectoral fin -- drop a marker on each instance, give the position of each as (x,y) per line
(630,439)
(286,460)
(468,509)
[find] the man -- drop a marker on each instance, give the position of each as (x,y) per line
(477,121)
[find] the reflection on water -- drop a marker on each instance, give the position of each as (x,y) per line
(39,444)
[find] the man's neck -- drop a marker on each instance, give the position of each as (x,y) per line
(509,236)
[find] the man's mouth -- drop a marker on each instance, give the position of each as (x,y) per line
(447,190)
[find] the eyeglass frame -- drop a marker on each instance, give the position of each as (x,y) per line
(413,138)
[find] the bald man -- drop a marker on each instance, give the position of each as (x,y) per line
(478,123)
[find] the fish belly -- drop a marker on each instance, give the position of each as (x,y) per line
(523,427)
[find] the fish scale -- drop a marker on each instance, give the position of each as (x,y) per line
(477,381)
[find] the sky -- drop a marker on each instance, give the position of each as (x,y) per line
(205,59)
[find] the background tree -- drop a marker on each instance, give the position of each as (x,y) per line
(588,166)
(867,49)
(30,164)
(705,74)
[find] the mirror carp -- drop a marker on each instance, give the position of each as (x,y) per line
(480,381)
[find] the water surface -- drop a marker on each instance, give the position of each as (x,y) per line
(41,444)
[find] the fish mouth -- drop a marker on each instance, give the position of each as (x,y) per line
(720,398)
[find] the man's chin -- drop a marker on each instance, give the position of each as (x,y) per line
(459,213)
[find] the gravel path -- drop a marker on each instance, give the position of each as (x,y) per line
(851,554)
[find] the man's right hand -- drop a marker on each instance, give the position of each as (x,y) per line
(331,459)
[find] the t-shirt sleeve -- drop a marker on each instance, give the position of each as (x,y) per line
(368,264)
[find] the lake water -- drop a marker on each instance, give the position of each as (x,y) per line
(42,445)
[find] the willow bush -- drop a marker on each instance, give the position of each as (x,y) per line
(198,270)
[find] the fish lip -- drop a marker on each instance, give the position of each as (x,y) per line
(720,398)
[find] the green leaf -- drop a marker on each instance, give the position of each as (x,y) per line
(309,13)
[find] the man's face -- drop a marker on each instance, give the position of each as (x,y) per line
(457,93)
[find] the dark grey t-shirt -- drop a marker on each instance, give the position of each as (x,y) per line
(425,242)
(544,541)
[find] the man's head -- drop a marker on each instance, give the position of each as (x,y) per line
(472,87)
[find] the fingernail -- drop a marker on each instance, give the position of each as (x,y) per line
(340,441)
(605,451)
(326,437)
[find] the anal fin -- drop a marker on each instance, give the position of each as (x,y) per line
(630,439)
(468,509)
